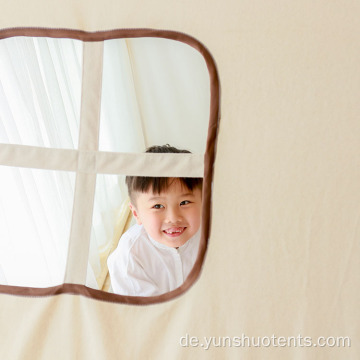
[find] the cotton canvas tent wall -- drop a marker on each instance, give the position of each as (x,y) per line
(283,254)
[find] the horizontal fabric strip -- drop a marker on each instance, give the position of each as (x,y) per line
(38,157)
(170,165)
(143,164)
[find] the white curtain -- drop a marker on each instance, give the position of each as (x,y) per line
(155,91)
(159,91)
(40,86)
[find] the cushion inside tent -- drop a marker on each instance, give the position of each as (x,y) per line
(283,256)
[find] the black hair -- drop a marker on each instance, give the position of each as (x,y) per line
(159,184)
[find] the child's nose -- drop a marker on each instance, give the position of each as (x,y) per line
(173,216)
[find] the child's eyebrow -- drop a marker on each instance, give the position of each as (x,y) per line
(155,198)
(161,197)
(188,194)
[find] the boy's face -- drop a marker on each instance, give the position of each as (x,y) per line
(171,217)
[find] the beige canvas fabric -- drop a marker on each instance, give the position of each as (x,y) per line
(283,255)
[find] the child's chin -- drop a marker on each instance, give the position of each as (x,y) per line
(174,242)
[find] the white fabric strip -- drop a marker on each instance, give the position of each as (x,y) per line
(91,162)
(38,157)
(77,260)
(170,165)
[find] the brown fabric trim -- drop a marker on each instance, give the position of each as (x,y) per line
(209,160)
(76,289)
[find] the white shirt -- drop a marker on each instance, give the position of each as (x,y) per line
(141,266)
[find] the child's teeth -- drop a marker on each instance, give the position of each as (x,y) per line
(173,231)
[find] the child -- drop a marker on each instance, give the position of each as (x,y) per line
(156,255)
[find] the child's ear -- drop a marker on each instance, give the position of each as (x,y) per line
(135,213)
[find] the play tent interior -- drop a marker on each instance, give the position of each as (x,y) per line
(263,94)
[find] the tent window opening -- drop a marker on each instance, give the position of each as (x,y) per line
(76,120)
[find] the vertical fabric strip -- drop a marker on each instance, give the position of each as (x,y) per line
(79,242)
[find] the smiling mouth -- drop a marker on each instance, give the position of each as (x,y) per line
(173,232)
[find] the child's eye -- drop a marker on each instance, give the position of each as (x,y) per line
(185,202)
(158,206)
